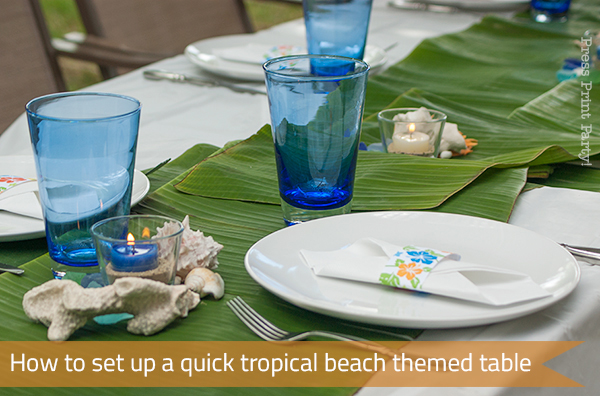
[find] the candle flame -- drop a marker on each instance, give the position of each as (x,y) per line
(146,233)
(130,239)
(411,127)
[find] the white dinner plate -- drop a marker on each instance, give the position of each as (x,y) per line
(201,54)
(274,262)
(14,227)
(476,5)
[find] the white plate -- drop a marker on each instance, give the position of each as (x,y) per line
(274,262)
(201,54)
(14,227)
(476,5)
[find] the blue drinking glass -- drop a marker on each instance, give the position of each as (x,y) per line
(84,146)
(316,121)
(337,27)
(550,10)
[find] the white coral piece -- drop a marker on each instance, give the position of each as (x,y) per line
(205,282)
(196,250)
(64,306)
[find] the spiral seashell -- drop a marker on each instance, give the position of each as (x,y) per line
(195,282)
(205,282)
(197,250)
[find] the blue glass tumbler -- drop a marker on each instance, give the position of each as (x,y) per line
(550,10)
(316,123)
(337,27)
(84,146)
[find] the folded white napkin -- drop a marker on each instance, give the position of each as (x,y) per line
(256,53)
(20,195)
(374,261)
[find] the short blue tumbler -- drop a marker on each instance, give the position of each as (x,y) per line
(84,146)
(337,27)
(316,121)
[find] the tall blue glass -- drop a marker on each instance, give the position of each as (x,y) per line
(84,146)
(316,123)
(550,10)
(337,27)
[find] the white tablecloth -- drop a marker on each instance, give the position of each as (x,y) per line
(177,116)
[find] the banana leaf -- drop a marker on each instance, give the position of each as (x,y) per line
(543,131)
(540,171)
(495,66)
(492,195)
(17,253)
(179,165)
(574,176)
(247,172)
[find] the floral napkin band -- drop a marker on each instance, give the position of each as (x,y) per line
(408,268)
(7,182)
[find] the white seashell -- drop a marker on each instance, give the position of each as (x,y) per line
(196,249)
(446,154)
(205,282)
(194,282)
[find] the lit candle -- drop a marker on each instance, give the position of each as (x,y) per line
(412,142)
(130,257)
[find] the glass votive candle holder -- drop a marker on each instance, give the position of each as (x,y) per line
(413,131)
(142,246)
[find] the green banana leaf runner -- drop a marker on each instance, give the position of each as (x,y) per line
(495,66)
(496,80)
(545,130)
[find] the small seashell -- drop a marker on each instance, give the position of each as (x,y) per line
(195,282)
(205,282)
(446,154)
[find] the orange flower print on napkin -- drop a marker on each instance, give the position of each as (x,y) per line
(409,267)
(409,271)
(11,179)
(7,181)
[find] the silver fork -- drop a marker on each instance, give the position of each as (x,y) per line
(269,332)
(182,78)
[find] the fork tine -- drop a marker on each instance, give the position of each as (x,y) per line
(252,322)
(255,322)
(250,325)
(260,323)
(250,311)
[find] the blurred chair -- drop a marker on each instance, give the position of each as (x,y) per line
(28,65)
(133,33)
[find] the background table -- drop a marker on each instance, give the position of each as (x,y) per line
(176,116)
